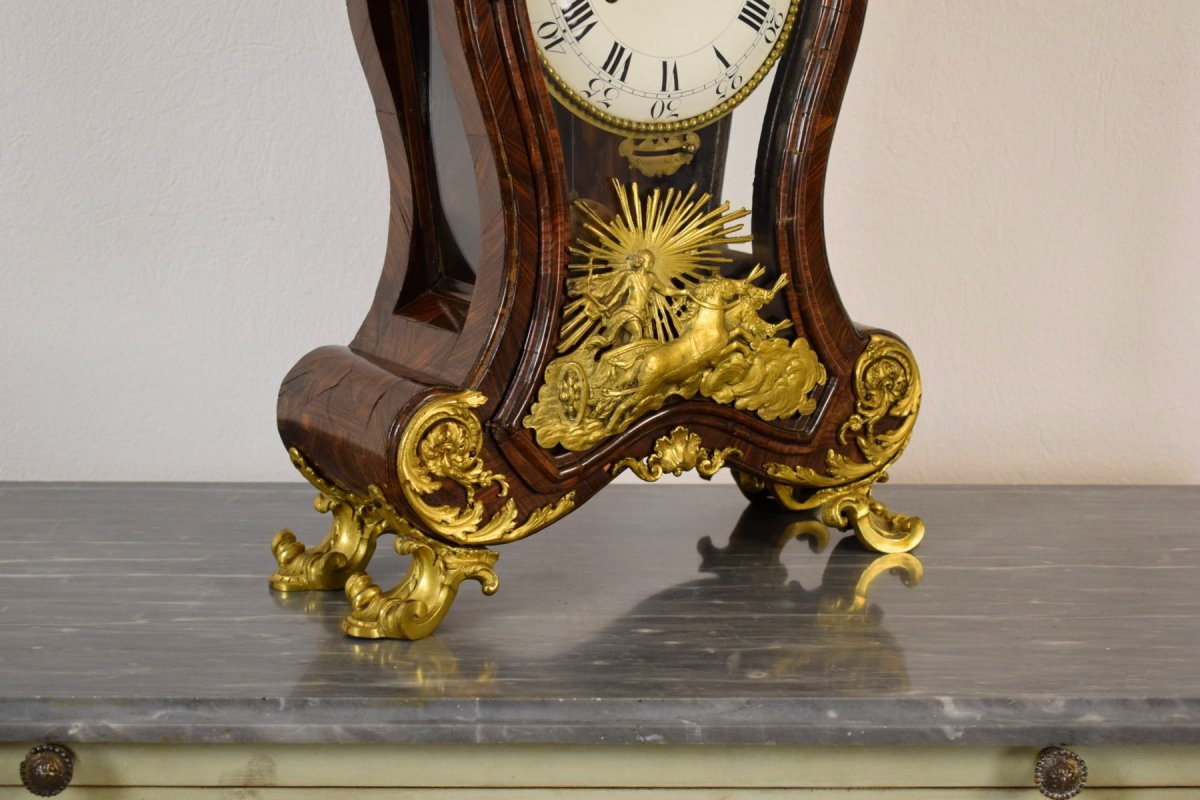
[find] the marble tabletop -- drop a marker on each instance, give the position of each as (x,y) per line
(673,613)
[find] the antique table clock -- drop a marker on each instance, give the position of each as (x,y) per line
(606,310)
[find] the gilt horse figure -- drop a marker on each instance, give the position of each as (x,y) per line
(710,327)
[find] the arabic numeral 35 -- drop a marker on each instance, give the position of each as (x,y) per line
(774,28)
(665,109)
(601,93)
(729,84)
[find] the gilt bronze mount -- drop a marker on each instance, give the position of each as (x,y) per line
(608,312)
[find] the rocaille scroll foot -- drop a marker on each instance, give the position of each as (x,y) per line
(412,610)
(876,526)
(419,603)
(844,507)
(441,444)
(346,549)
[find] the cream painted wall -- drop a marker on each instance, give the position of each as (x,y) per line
(192,195)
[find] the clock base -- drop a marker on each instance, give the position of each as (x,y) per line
(416,606)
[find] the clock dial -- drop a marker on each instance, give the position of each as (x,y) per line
(651,66)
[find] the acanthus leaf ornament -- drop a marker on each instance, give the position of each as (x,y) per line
(678,452)
(349,545)
(442,447)
(442,444)
(419,603)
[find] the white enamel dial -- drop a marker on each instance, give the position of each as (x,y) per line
(658,65)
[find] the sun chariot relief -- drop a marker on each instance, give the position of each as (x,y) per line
(650,316)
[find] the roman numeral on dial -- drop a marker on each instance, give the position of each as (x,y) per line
(754,13)
(618,59)
(670,76)
(580,18)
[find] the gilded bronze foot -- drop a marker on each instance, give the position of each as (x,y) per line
(416,607)
(875,525)
(346,549)
(843,507)
(888,387)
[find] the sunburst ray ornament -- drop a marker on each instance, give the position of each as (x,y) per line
(672,238)
(651,316)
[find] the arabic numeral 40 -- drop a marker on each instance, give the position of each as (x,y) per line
(551,36)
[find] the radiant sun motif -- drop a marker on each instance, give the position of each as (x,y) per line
(671,238)
(650,316)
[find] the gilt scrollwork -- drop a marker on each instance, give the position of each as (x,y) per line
(417,605)
(420,601)
(678,452)
(440,452)
(660,156)
(443,444)
(887,388)
(876,525)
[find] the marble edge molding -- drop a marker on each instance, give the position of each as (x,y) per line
(728,721)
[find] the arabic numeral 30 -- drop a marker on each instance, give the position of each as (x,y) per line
(665,109)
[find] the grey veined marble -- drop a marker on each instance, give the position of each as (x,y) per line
(664,614)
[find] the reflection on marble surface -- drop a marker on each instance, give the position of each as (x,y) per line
(140,613)
(830,637)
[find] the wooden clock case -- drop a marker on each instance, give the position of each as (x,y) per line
(418,428)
